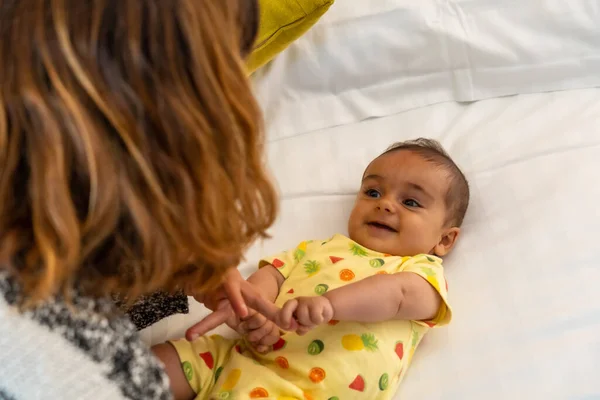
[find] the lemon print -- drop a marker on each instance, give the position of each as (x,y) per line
(376,262)
(188,370)
(232,379)
(224,395)
(321,288)
(366,341)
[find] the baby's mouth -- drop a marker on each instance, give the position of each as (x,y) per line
(383,226)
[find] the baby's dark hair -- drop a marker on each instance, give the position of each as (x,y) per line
(457,197)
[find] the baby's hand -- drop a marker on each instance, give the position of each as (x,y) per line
(308,312)
(260,332)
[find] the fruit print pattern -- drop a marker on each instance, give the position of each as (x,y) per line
(300,251)
(316,347)
(280,344)
(358,384)
(414,342)
(358,250)
(232,379)
(399,349)
(321,289)
(312,267)
(330,266)
(376,263)
(366,341)
(317,374)
(218,373)
(384,381)
(259,393)
(431,277)
(188,371)
(347,275)
(282,362)
(208,359)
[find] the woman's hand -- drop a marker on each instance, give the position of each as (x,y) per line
(260,332)
(240,294)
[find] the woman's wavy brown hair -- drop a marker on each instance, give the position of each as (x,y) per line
(131,146)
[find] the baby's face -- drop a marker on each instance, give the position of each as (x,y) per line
(400,209)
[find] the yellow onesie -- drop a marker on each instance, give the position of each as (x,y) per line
(336,361)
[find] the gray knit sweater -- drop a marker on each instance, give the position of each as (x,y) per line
(87,350)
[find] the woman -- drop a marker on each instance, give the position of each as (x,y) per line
(130,163)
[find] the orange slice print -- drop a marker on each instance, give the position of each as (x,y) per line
(259,393)
(381,273)
(282,362)
(346,275)
(316,374)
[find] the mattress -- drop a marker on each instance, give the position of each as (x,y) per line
(524,277)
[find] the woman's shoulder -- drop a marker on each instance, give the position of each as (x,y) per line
(81,349)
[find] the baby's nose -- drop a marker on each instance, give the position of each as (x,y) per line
(385,205)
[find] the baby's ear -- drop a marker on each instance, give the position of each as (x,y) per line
(447,241)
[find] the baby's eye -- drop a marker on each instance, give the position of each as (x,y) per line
(411,203)
(373,193)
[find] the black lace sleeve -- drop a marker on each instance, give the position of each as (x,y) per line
(153,308)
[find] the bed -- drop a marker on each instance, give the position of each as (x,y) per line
(510,89)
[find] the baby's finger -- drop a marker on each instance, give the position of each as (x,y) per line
(316,315)
(255,321)
(327,314)
(261,348)
(303,315)
(257,334)
(303,330)
(272,337)
(284,317)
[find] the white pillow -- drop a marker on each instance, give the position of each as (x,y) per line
(375,58)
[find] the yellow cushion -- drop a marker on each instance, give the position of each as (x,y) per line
(282,22)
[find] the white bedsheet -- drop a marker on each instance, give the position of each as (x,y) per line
(524,279)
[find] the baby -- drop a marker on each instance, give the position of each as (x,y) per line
(355,307)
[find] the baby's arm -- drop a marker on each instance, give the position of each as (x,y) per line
(404,295)
(267,280)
